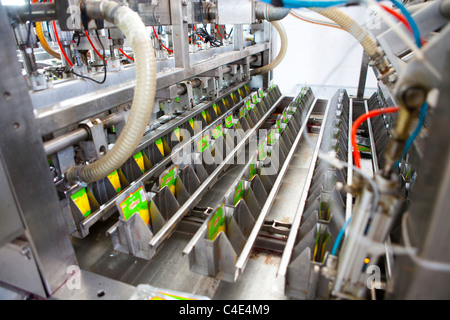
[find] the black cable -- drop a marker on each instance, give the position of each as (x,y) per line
(104,64)
(203,32)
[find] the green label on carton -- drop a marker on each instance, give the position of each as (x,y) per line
(177,133)
(217,132)
(278,124)
(169,179)
(229,121)
(136,202)
(239,192)
(262,150)
(115,181)
(205,115)
(285,115)
(242,112)
(271,138)
(191,122)
(260,93)
(216,109)
(217,223)
(252,169)
(203,143)
(139,158)
(225,102)
(255,98)
(82,202)
(248,105)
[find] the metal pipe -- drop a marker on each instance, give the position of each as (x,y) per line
(39,12)
(65,141)
(264,11)
(80,134)
(182,89)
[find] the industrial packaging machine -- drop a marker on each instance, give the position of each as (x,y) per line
(146,153)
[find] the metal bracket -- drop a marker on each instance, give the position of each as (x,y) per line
(277,227)
(96,146)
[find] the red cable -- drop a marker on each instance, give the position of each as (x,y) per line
(401,18)
(217,28)
(92,45)
(358,122)
(156,35)
(121,51)
(195,29)
(225,31)
(60,46)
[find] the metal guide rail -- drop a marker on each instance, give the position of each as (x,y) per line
(194,172)
(321,210)
(83,206)
(222,245)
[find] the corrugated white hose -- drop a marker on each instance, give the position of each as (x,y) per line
(352,27)
(284,45)
(132,26)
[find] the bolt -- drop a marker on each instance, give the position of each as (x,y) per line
(184,3)
(414,97)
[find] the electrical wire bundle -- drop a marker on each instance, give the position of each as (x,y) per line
(204,36)
(203,33)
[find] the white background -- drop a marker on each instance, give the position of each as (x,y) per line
(322,56)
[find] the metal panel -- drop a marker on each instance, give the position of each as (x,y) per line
(234,11)
(25,161)
(11,225)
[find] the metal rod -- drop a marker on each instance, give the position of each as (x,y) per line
(349,199)
(373,148)
(39,12)
(65,141)
(80,134)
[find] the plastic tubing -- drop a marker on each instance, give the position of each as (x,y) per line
(358,122)
(44,43)
(284,45)
(134,29)
(351,26)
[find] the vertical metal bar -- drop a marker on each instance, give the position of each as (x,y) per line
(373,148)
(349,203)
(363,76)
(238,38)
(180,34)
(24,160)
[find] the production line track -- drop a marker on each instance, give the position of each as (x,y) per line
(169,269)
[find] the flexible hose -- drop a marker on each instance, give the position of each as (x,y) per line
(284,46)
(351,26)
(134,29)
(44,43)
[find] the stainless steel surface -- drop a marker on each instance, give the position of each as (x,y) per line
(234,11)
(240,264)
(159,167)
(58,108)
(301,204)
(373,147)
(11,225)
(168,227)
(65,141)
(19,268)
(24,159)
